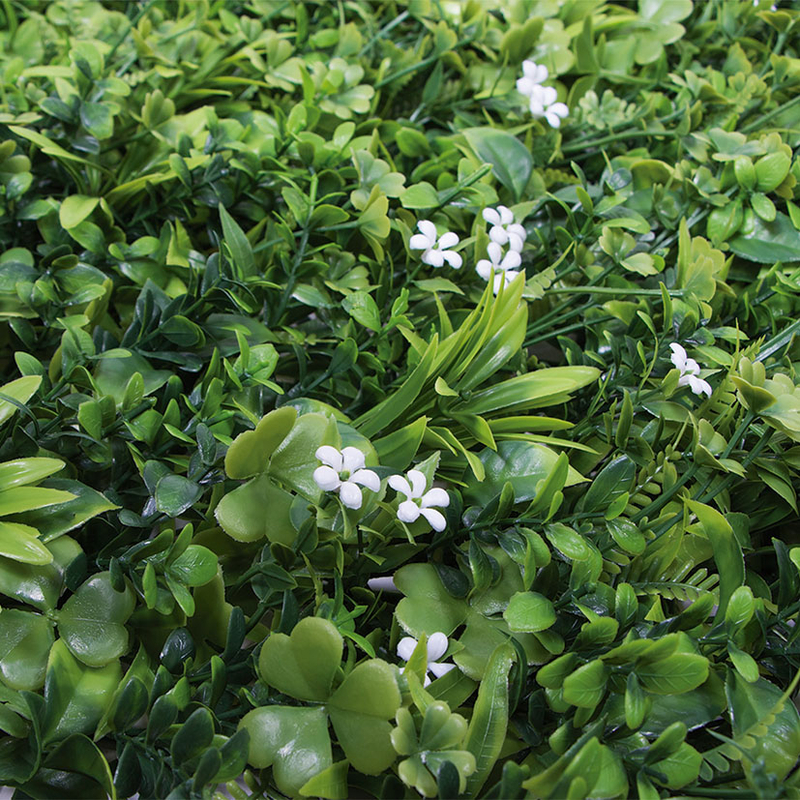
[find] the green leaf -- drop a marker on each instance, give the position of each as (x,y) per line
(175,494)
(767,242)
(21,390)
(21,543)
(76,696)
(79,755)
(427,607)
(330,784)
(420,195)
(360,709)
(727,550)
(487,728)
(529,611)
(195,566)
(765,722)
(250,452)
(676,674)
(303,664)
(27,470)
(586,686)
(511,161)
(92,621)
(75,209)
(522,464)
(241,513)
(294,460)
(238,243)
(613,480)
(25,642)
(363,309)
(293,741)
(193,736)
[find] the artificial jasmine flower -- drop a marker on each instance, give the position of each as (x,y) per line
(532,75)
(504,230)
(690,371)
(341,472)
(505,267)
(418,501)
(437,647)
(385,583)
(435,246)
(543,104)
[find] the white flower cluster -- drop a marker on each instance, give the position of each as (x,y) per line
(344,471)
(690,371)
(504,231)
(541,99)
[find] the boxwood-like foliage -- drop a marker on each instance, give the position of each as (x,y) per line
(374,423)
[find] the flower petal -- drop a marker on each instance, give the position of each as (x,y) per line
(549,95)
(562,109)
(327,478)
(484,269)
(368,478)
(330,456)
(491,216)
(418,482)
(434,257)
(511,261)
(506,215)
(698,385)
(553,120)
(406,647)
(518,230)
(419,242)
(400,484)
(691,366)
(678,356)
(439,670)
(448,239)
(498,235)
(408,511)
(427,681)
(350,495)
(495,252)
(515,242)
(525,86)
(435,497)
(453,259)
(435,519)
(385,583)
(437,646)
(352,459)
(428,229)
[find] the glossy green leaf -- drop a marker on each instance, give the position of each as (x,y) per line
(303,664)
(529,611)
(21,390)
(250,452)
(25,642)
(511,161)
(293,741)
(92,621)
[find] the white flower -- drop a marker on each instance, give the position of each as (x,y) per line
(532,75)
(504,230)
(435,246)
(342,471)
(418,501)
(383,584)
(543,104)
(504,266)
(437,647)
(690,371)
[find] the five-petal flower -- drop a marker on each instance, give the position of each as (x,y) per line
(418,501)
(505,267)
(435,246)
(504,230)
(341,472)
(690,371)
(437,647)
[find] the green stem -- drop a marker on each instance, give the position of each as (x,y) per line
(617,137)
(613,290)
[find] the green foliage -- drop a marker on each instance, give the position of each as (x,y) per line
(208,273)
